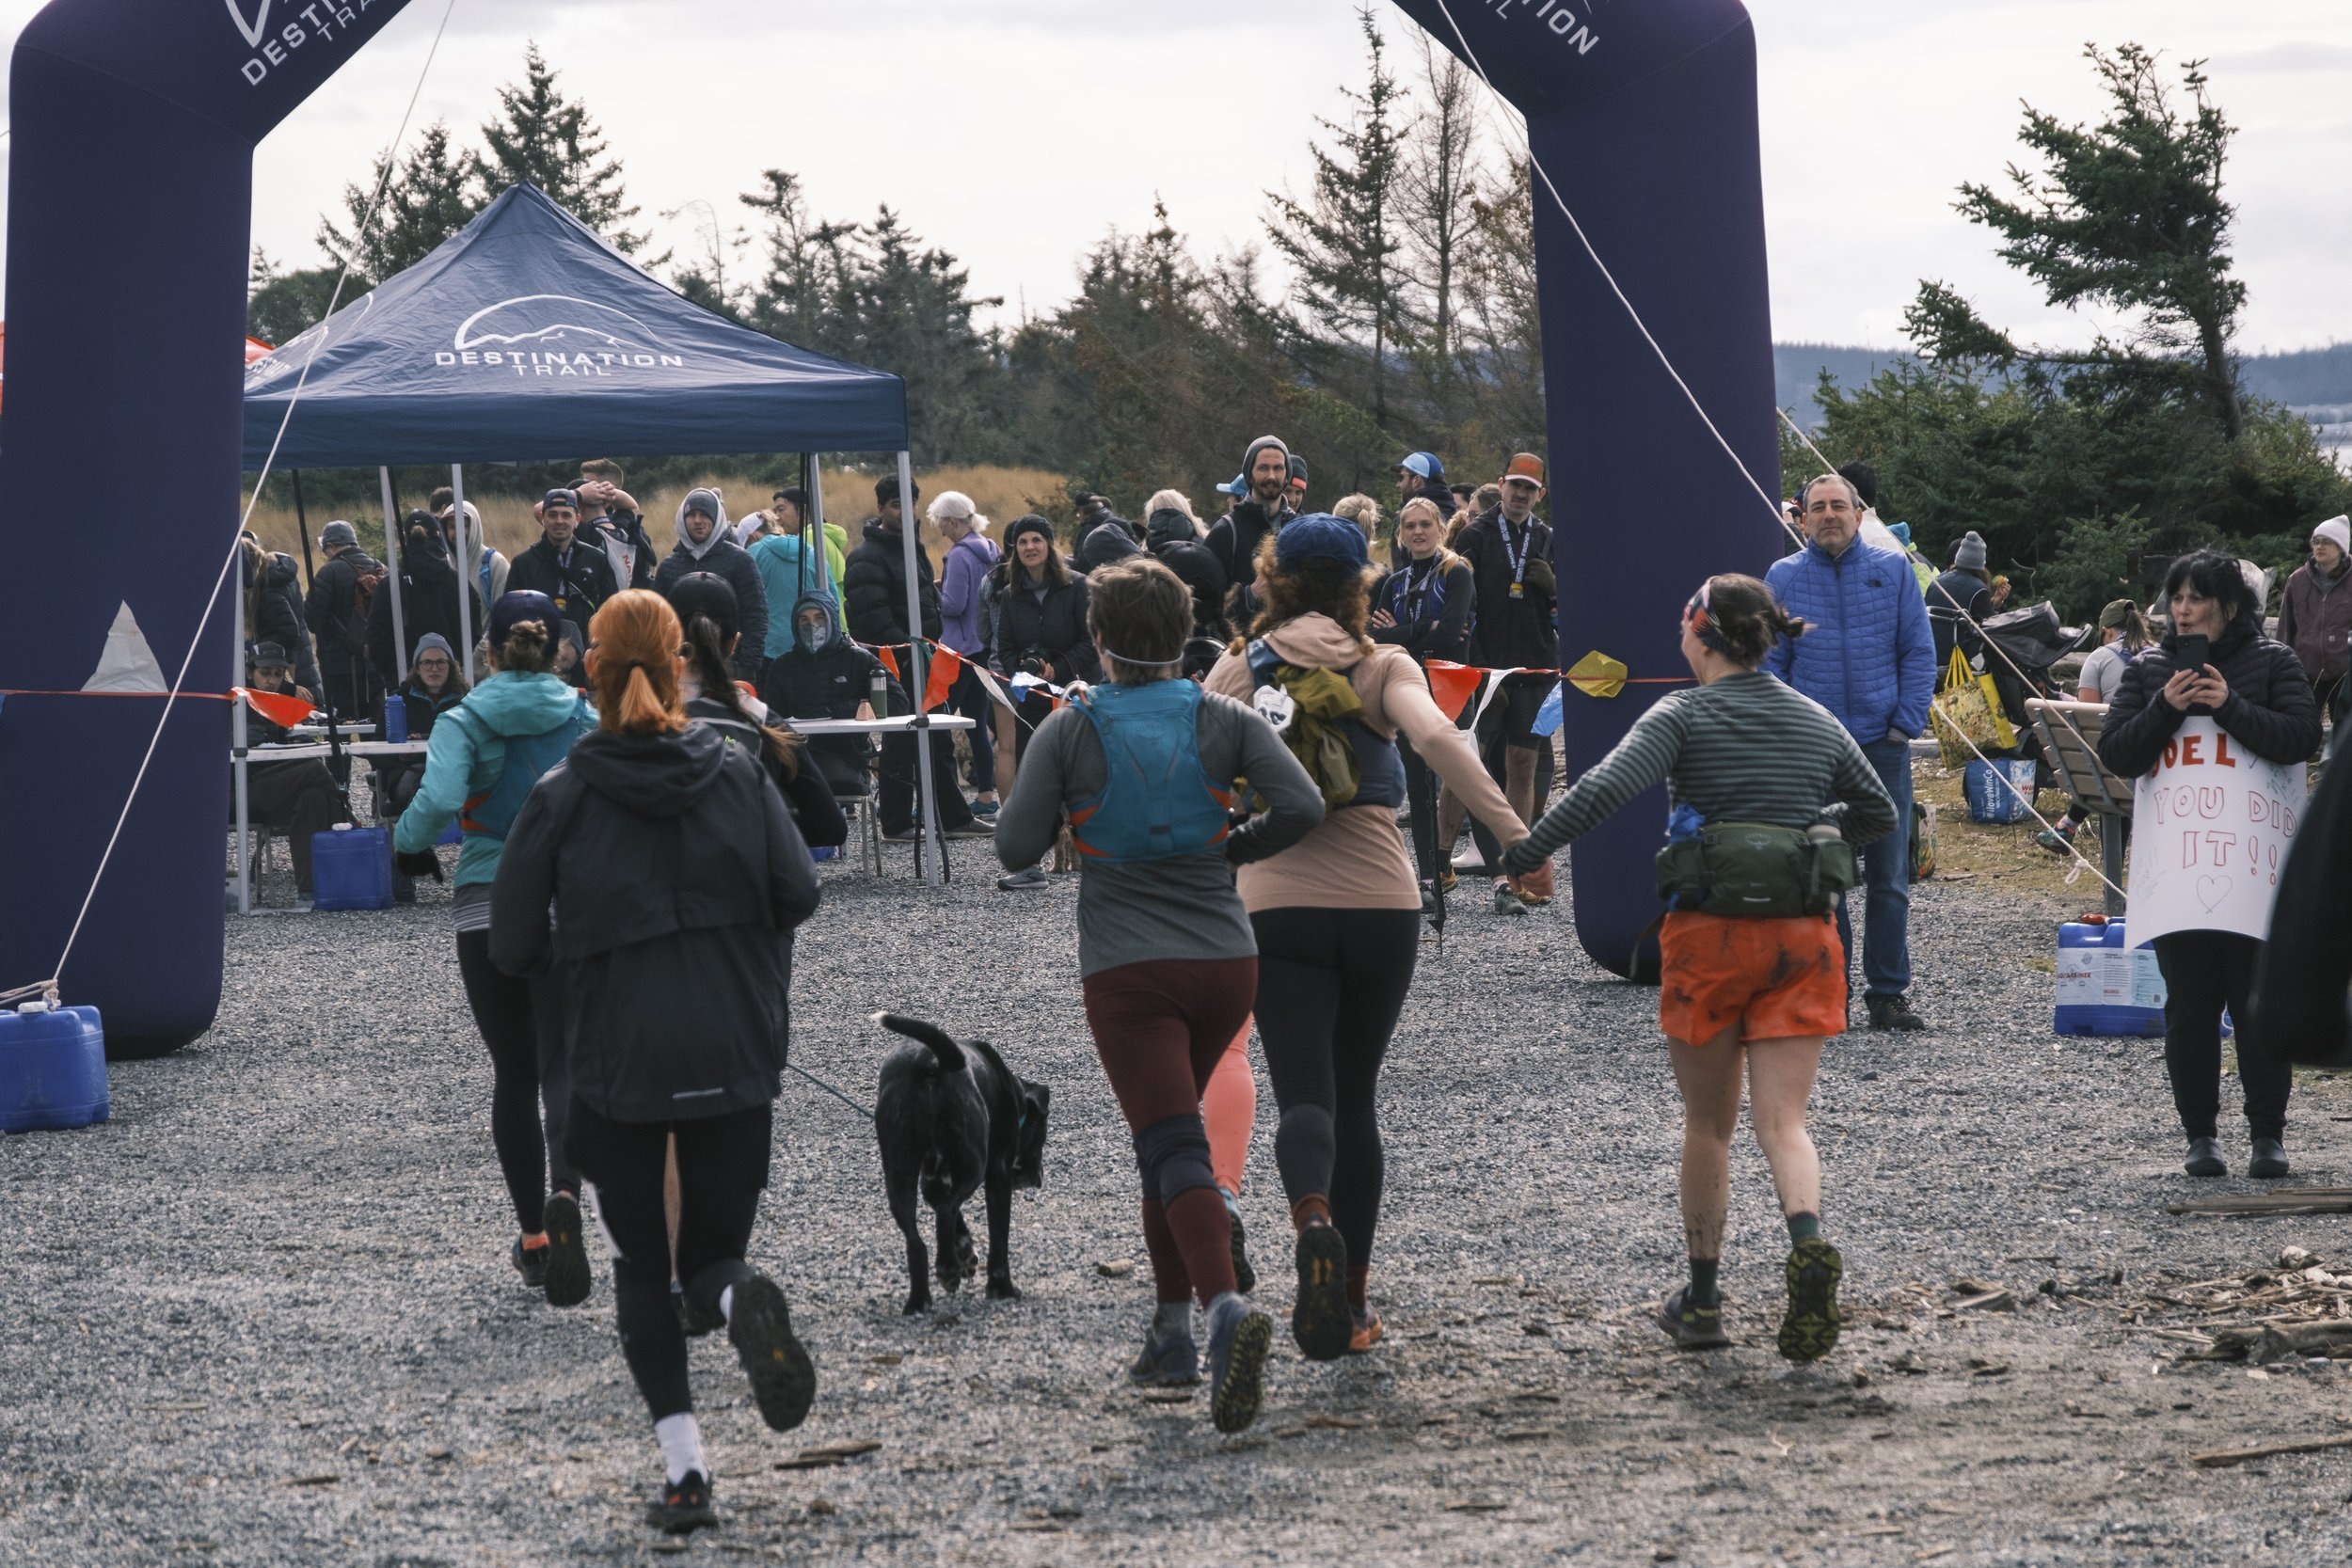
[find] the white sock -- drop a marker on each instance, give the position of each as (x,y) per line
(726,1303)
(681,1443)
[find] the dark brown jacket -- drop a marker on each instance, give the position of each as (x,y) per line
(2314,619)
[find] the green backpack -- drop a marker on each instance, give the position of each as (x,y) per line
(1312,710)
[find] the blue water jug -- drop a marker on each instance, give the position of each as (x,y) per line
(822,851)
(53,1068)
(2104,985)
(350,868)
(1999,793)
(395,719)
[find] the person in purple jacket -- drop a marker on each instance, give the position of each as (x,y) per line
(1870,660)
(962,594)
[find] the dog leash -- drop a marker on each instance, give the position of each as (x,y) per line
(831,1090)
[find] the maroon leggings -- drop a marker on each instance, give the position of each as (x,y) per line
(1160,1028)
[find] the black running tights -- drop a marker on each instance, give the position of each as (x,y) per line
(1331,985)
(722,1167)
(2204,971)
(522,1022)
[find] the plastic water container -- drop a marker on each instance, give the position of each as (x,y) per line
(350,868)
(53,1068)
(2104,985)
(822,851)
(395,718)
(2000,793)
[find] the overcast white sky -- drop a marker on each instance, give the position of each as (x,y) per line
(1015,131)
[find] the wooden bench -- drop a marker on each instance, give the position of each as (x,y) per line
(2069,744)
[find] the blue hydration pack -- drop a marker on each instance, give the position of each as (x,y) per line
(1158,801)
(492,811)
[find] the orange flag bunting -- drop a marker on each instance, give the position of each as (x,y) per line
(946,667)
(279,707)
(1451,686)
(890,661)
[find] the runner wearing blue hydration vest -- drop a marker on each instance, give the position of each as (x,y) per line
(1144,768)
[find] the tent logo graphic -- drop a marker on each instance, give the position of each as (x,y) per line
(261,23)
(555,335)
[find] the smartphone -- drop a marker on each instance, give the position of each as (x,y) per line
(2193,651)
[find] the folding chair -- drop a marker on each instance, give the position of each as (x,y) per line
(2069,744)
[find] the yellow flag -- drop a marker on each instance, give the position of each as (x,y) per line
(1598,675)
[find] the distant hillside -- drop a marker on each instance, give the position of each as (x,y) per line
(2315,381)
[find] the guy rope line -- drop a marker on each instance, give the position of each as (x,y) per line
(1770,503)
(48,989)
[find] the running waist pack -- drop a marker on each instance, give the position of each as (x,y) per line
(1755,870)
(1323,726)
(1157,801)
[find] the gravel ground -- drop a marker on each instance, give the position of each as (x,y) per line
(264,1316)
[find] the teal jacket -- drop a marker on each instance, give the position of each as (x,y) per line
(463,761)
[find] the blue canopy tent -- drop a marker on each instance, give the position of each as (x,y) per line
(525,335)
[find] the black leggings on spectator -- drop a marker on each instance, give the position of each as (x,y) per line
(722,1167)
(1331,984)
(522,1022)
(2204,971)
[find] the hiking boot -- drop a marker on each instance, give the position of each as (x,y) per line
(683,1506)
(1692,1328)
(568,1278)
(1809,1329)
(1507,900)
(1369,1332)
(2205,1158)
(2059,840)
(1239,1338)
(2270,1161)
(1892,1012)
(784,1381)
(1320,1320)
(1170,1363)
(1029,876)
(532,1263)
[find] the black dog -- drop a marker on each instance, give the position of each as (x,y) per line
(950,1116)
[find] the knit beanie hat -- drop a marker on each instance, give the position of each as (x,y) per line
(1969,556)
(1031,523)
(2338,529)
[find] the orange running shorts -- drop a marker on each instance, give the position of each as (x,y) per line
(1777,979)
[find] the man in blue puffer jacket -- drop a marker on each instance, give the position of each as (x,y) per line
(1869,659)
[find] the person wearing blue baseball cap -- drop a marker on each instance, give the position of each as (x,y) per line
(1338,915)
(481,761)
(1420,474)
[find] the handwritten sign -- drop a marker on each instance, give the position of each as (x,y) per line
(2211,824)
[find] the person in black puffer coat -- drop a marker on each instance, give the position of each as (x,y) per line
(1037,620)
(2256,692)
(1178,540)
(428,603)
(874,577)
(274,613)
(351,689)
(704,543)
(706,606)
(674,879)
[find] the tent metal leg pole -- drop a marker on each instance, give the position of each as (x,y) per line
(391,564)
(927,827)
(245,863)
(464,579)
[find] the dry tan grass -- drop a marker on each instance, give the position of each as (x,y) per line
(1001,495)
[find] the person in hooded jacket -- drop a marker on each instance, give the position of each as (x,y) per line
(704,605)
(792,566)
(428,602)
(483,758)
(1037,610)
(705,545)
(972,555)
(434,687)
(2257,692)
(825,674)
(658,873)
(351,689)
(274,613)
(2316,611)
(1234,538)
(1176,538)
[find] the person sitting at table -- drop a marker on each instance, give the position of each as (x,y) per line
(429,587)
(712,619)
(296,798)
(434,687)
(571,657)
(824,674)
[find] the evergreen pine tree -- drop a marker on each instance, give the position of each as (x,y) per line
(431,196)
(548,140)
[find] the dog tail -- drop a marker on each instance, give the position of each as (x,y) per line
(943,1044)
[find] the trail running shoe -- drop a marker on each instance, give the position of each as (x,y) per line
(1245,1277)
(783,1380)
(1808,1330)
(1173,1363)
(2058,841)
(683,1506)
(973,828)
(1507,900)
(532,1263)
(985,808)
(1369,1332)
(1320,1320)
(1029,876)
(567,1278)
(1692,1328)
(1239,1338)
(1447,880)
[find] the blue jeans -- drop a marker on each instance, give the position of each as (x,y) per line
(1887,881)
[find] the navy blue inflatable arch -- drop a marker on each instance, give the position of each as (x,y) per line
(121,432)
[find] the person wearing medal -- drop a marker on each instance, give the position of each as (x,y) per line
(1509,551)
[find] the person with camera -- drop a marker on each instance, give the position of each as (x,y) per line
(1742,995)
(1037,621)
(2214,663)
